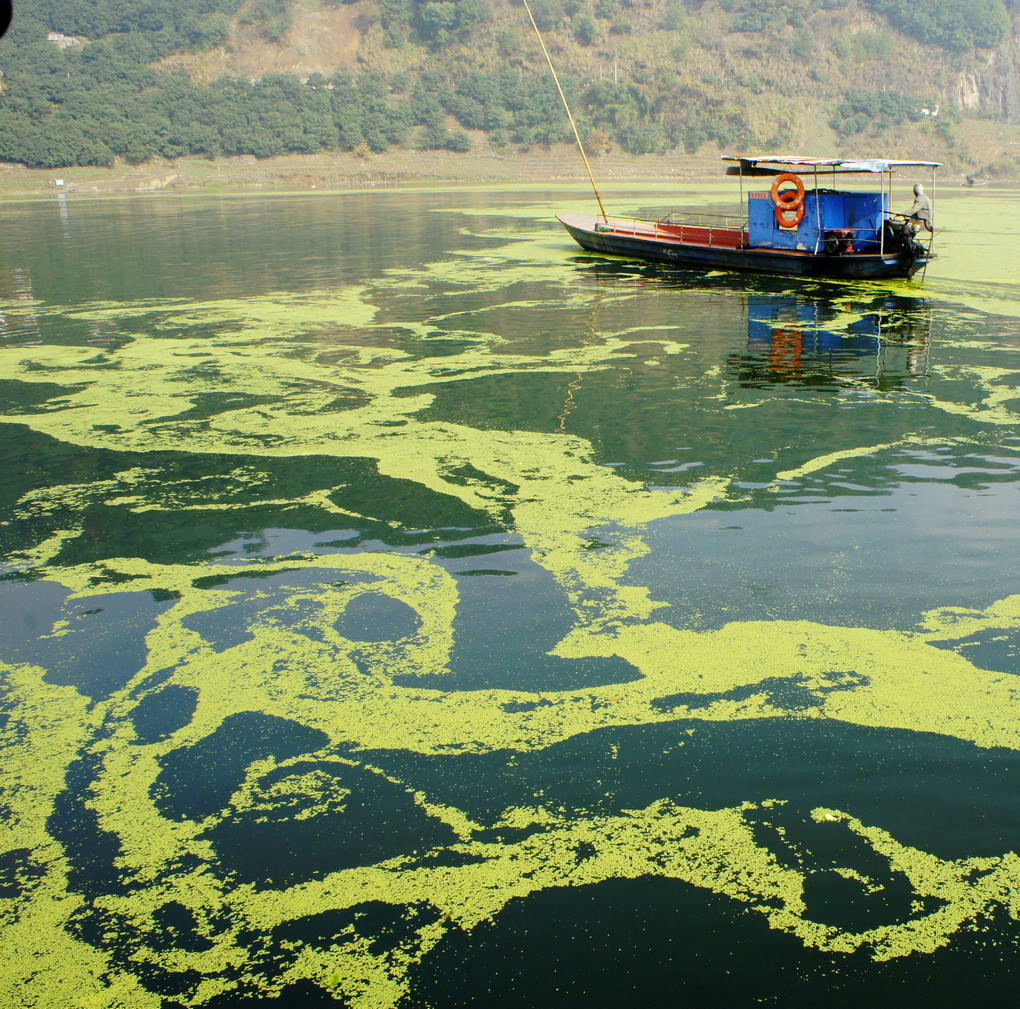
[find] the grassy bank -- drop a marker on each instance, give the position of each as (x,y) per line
(398,168)
(339,171)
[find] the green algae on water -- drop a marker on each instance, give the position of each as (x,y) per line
(309,691)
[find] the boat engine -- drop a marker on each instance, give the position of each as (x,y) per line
(899,238)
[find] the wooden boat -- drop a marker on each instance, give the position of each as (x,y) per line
(821,231)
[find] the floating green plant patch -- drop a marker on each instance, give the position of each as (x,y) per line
(504,626)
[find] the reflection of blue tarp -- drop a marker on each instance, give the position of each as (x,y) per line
(861,213)
(773,324)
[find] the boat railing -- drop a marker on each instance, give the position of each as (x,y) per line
(679,219)
(849,239)
(702,229)
(874,232)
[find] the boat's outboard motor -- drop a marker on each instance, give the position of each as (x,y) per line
(899,238)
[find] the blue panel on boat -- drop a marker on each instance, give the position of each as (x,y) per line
(858,215)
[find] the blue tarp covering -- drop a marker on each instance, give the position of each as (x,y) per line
(825,210)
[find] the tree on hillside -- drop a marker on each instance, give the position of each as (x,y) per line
(395,16)
(440,22)
(951,24)
(873,111)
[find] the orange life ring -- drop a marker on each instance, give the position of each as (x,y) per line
(788,201)
(786,198)
(783,221)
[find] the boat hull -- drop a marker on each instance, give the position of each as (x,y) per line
(592,234)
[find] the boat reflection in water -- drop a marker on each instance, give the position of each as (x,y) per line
(818,335)
(884,344)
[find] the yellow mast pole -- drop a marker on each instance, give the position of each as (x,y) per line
(563,98)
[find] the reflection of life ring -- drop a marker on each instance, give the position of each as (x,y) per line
(787,347)
(788,201)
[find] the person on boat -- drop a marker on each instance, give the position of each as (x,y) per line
(920,213)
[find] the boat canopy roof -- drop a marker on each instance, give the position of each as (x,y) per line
(750,162)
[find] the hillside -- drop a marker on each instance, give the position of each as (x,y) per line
(134,79)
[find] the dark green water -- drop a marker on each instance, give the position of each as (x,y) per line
(402,607)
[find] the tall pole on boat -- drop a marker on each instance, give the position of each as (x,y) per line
(566,106)
(931,237)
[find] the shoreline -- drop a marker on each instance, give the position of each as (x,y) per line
(339,172)
(345,172)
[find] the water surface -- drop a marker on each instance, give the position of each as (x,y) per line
(403,607)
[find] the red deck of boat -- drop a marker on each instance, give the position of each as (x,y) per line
(691,234)
(681,234)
